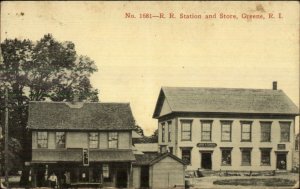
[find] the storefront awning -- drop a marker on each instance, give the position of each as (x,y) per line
(75,155)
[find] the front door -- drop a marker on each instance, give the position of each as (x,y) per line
(206,160)
(281,161)
(122,178)
(144,176)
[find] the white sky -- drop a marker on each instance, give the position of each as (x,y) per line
(135,57)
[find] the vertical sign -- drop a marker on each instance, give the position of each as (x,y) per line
(85,157)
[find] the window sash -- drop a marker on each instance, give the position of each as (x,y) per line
(265,157)
(246,157)
(285,131)
(42,139)
(206,131)
(93,140)
(60,139)
(226,132)
(163,132)
(246,132)
(112,140)
(226,157)
(186,127)
(265,132)
(186,155)
(169,131)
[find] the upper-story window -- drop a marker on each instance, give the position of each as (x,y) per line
(265,131)
(60,138)
(246,131)
(169,130)
(206,130)
(163,130)
(226,131)
(285,131)
(112,140)
(186,129)
(93,140)
(42,139)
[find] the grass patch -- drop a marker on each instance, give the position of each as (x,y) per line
(257,182)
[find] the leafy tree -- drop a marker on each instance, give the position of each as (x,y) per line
(139,130)
(36,71)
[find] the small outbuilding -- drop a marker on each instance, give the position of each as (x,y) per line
(158,171)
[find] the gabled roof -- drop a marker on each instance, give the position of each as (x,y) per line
(225,100)
(80,116)
(151,159)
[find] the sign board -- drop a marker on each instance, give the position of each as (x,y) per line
(281,146)
(85,156)
(207,145)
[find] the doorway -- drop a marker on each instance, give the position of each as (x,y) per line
(281,161)
(121,178)
(144,176)
(206,160)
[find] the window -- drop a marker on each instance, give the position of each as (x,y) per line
(171,150)
(169,130)
(106,173)
(226,156)
(265,156)
(246,131)
(186,127)
(112,140)
(246,156)
(284,131)
(226,130)
(186,155)
(60,139)
(163,132)
(265,131)
(163,149)
(297,143)
(206,130)
(93,140)
(42,139)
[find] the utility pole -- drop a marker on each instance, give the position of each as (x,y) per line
(6,138)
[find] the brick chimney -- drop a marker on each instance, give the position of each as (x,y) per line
(274,85)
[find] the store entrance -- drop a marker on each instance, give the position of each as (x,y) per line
(281,161)
(206,160)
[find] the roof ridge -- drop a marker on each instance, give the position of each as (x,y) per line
(229,88)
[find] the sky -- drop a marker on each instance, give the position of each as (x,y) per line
(137,56)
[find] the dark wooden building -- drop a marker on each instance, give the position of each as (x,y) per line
(92,142)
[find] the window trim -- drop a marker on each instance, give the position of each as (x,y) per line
(230,124)
(210,129)
(117,147)
(191,127)
(242,149)
(226,148)
(246,122)
(270,134)
(265,149)
(89,140)
(37,140)
(290,123)
(56,139)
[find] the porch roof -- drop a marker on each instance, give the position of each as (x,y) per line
(75,155)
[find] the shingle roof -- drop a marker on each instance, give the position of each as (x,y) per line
(150,159)
(226,100)
(83,116)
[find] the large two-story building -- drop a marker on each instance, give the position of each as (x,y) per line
(227,129)
(91,142)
